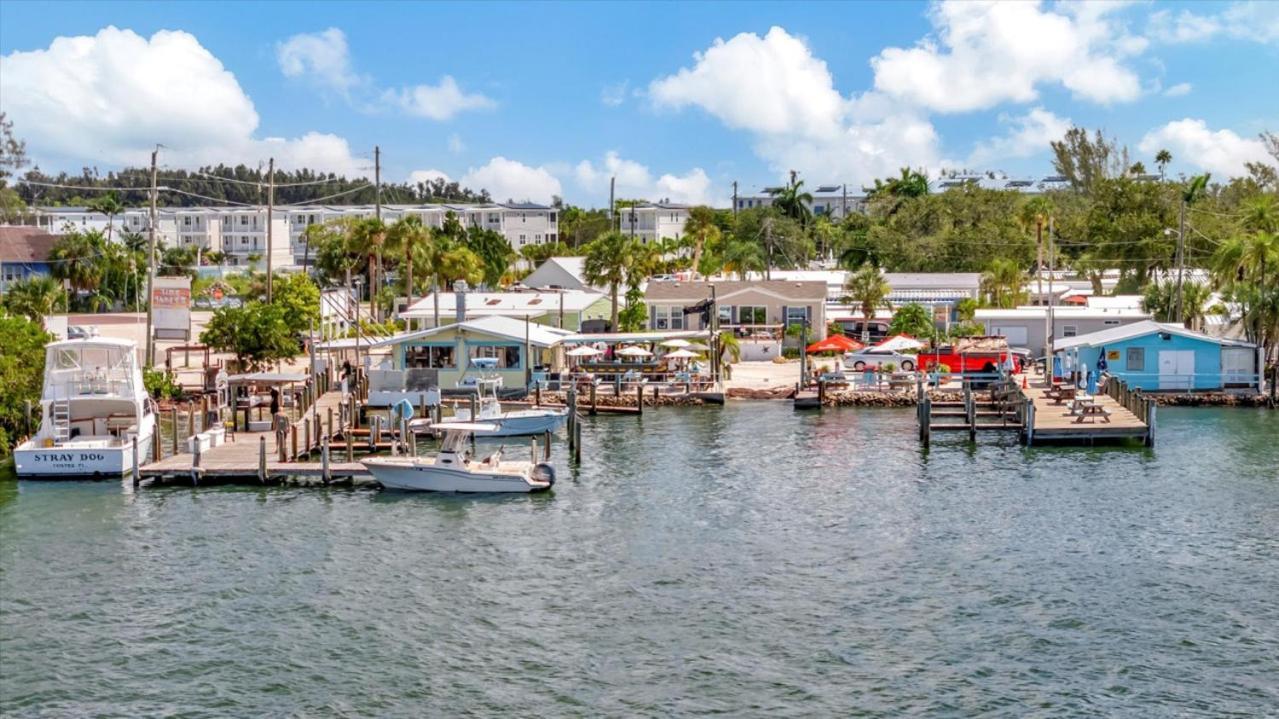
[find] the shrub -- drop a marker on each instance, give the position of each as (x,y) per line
(160,384)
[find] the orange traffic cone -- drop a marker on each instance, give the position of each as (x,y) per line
(1024,384)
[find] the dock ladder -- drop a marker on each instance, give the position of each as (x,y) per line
(60,413)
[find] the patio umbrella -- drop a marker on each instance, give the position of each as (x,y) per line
(680,354)
(697,347)
(676,344)
(897,343)
(584,351)
(834,343)
(634,352)
(1101,361)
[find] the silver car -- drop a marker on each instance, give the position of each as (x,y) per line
(870,357)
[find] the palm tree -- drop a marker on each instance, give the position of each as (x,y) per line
(868,289)
(405,235)
(1162,158)
(108,205)
(743,256)
(368,236)
(1004,284)
(33,298)
(76,258)
(792,201)
(1035,213)
(700,229)
(608,263)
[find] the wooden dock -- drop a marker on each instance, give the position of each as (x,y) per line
(1119,414)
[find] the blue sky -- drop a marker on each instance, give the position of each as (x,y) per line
(677,100)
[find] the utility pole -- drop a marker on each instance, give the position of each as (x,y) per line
(734,199)
(374,312)
(1181,256)
(843,203)
(151,264)
(1052,297)
(612,183)
(714,338)
(270,210)
(1039,277)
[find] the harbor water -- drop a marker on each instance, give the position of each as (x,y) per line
(748,560)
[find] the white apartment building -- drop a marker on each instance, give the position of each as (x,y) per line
(653,221)
(833,201)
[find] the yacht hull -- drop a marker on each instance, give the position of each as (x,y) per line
(413,476)
(78,459)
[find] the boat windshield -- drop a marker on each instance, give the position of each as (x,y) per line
(88,369)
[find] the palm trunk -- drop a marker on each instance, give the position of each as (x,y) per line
(435,292)
(408,276)
(613,291)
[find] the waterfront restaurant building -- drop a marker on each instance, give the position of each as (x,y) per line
(567,309)
(1028,327)
(1156,356)
(749,306)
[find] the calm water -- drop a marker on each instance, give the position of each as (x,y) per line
(748,561)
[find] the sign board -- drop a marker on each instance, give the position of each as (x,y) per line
(171,307)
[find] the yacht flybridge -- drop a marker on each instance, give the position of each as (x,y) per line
(94,405)
(504,423)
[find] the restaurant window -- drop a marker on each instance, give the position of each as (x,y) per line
(1136,359)
(796,315)
(666,317)
(1069,331)
(508,356)
(726,314)
(752,315)
(427,356)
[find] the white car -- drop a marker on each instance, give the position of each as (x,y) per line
(870,357)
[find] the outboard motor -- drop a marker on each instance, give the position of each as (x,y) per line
(543,472)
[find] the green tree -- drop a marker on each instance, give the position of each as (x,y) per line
(966,309)
(22,367)
(76,258)
(494,251)
(109,205)
(403,238)
(256,333)
(34,298)
(368,236)
(913,319)
(1084,161)
(1162,159)
(299,297)
(868,290)
(793,201)
(1004,284)
(701,231)
(608,264)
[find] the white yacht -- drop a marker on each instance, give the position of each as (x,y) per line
(513,423)
(453,469)
(94,404)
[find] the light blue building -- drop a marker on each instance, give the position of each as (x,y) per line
(1155,356)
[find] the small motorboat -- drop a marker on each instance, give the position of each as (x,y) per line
(513,423)
(454,469)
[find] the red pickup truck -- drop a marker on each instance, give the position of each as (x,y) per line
(971,355)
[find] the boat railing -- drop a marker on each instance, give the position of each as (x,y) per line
(69,384)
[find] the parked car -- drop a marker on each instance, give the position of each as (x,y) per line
(80,332)
(871,357)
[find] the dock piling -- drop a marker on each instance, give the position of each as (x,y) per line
(175,429)
(532,447)
(262,459)
(136,477)
(593,404)
(639,399)
(547,453)
(577,441)
(324,460)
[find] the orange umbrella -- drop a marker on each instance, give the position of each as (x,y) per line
(834,343)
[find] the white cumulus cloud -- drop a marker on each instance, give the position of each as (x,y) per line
(1179,90)
(776,89)
(438,102)
(636,181)
(1192,142)
(417,176)
(1027,135)
(322,58)
(987,53)
(111,97)
(1256,21)
(511,180)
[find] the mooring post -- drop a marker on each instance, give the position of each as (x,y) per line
(547,446)
(195,463)
(27,414)
(537,394)
(532,450)
(157,442)
(375,432)
(639,399)
(329,431)
(136,478)
(928,422)
(821,393)
(306,426)
(350,444)
(324,460)
(293,443)
(593,405)
(175,429)
(577,442)
(190,418)
(262,459)
(473,403)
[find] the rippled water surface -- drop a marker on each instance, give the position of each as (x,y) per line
(748,561)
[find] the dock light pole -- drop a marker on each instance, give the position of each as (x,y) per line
(150,360)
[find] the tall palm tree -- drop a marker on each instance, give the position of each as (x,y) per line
(868,289)
(743,256)
(1035,213)
(108,205)
(369,236)
(1004,284)
(792,201)
(1162,158)
(608,263)
(700,230)
(76,258)
(404,236)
